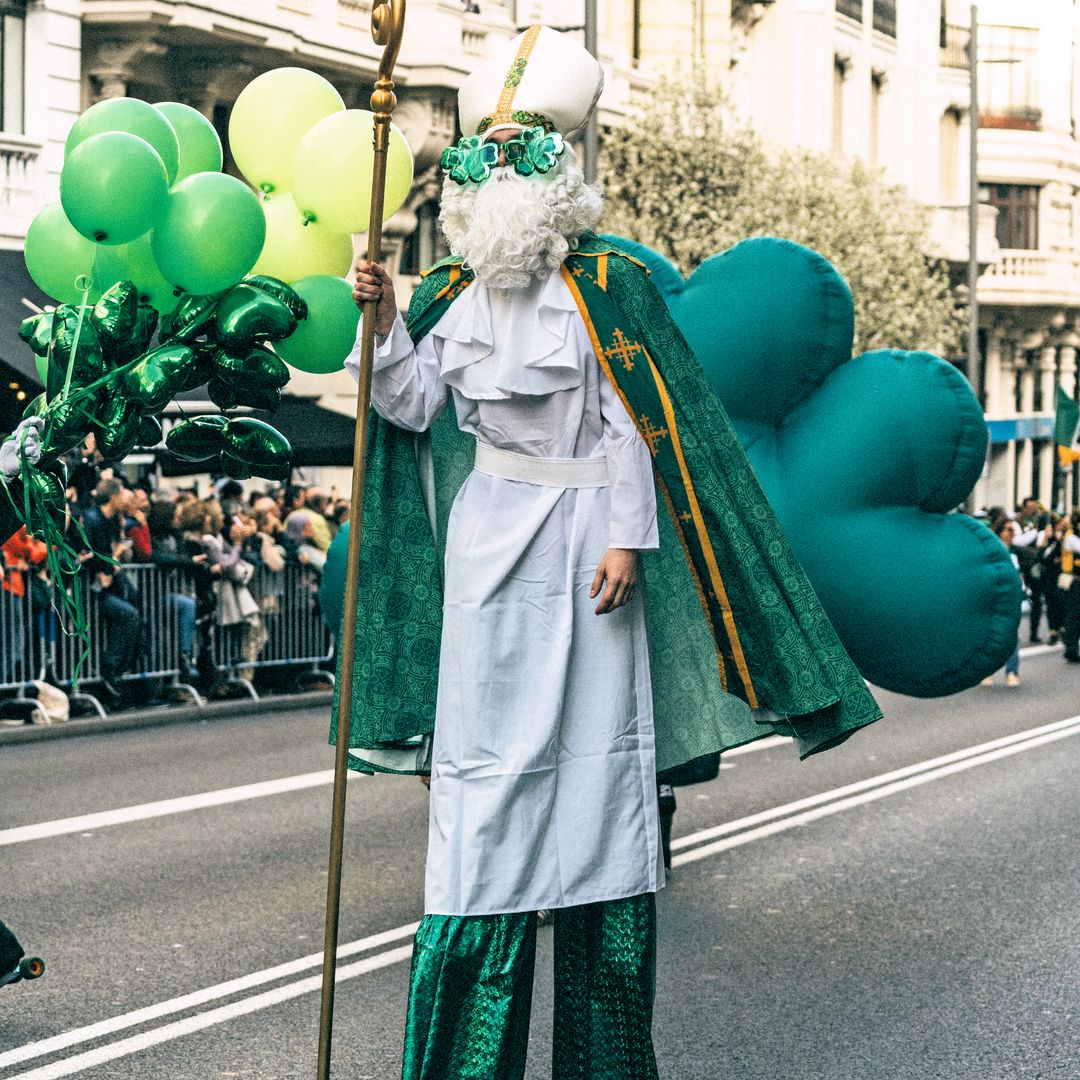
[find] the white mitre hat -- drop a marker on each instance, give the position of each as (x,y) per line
(540,77)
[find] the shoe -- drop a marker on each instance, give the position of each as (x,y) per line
(188,671)
(1012,680)
(1072,658)
(988,681)
(1054,635)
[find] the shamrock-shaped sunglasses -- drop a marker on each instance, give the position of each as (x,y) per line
(534,150)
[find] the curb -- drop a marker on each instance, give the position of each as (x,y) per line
(184,714)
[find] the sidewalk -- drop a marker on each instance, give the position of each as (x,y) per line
(159,716)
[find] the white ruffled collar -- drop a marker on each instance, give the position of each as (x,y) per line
(537,349)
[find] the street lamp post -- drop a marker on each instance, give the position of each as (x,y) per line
(974,365)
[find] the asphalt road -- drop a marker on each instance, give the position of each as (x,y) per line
(874,912)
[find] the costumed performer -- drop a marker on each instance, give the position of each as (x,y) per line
(504,638)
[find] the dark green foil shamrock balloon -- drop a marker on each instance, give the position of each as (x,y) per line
(279,291)
(257,445)
(36,331)
(74,341)
(156,376)
(114,317)
(190,318)
(196,439)
(117,430)
(246,314)
(149,433)
(67,421)
(255,367)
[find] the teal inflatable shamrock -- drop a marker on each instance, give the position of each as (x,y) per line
(863,458)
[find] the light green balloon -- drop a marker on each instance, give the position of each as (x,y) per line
(135,262)
(113,187)
(322,341)
(200,145)
(135,117)
(57,255)
(211,234)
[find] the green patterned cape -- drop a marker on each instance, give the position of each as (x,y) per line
(740,647)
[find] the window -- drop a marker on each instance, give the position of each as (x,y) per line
(12,66)
(1018,213)
(885,17)
(851,8)
(877,88)
(1008,78)
(949,157)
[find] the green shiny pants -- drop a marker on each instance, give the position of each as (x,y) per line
(470,994)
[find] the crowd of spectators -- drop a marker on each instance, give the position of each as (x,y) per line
(227,548)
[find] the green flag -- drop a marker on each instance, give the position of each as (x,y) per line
(1066,422)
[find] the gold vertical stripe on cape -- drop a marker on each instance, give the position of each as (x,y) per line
(703,537)
(506,98)
(695,509)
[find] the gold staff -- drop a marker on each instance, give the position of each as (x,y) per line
(387,27)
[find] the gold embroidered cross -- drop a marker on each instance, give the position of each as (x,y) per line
(686,516)
(651,435)
(623,349)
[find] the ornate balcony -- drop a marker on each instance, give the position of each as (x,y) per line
(1032,278)
(949,234)
(19,183)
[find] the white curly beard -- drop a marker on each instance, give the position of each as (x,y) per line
(514,228)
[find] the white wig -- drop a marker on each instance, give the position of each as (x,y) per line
(513,228)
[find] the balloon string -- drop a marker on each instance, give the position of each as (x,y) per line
(88,279)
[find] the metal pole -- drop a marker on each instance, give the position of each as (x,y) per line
(591,143)
(387,27)
(973,365)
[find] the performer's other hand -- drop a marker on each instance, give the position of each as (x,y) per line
(374,283)
(618,568)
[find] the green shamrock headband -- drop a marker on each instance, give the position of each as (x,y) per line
(534,150)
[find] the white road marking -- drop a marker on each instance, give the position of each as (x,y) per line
(200,997)
(126,814)
(755,827)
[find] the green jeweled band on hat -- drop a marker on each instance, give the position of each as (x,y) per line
(533,150)
(518,116)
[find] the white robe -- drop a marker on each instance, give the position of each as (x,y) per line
(543,787)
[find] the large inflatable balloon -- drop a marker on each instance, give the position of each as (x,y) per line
(135,117)
(862,458)
(57,255)
(326,337)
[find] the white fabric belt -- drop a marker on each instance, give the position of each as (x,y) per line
(549,472)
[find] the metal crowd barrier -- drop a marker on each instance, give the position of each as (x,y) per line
(17,665)
(289,627)
(36,639)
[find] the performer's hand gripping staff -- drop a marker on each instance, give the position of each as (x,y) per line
(387,28)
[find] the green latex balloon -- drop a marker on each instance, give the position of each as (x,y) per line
(117,429)
(280,291)
(191,318)
(113,187)
(88,364)
(254,368)
(246,314)
(149,433)
(211,234)
(36,331)
(114,317)
(135,117)
(135,262)
(154,379)
(321,343)
(256,443)
(200,146)
(57,256)
(196,439)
